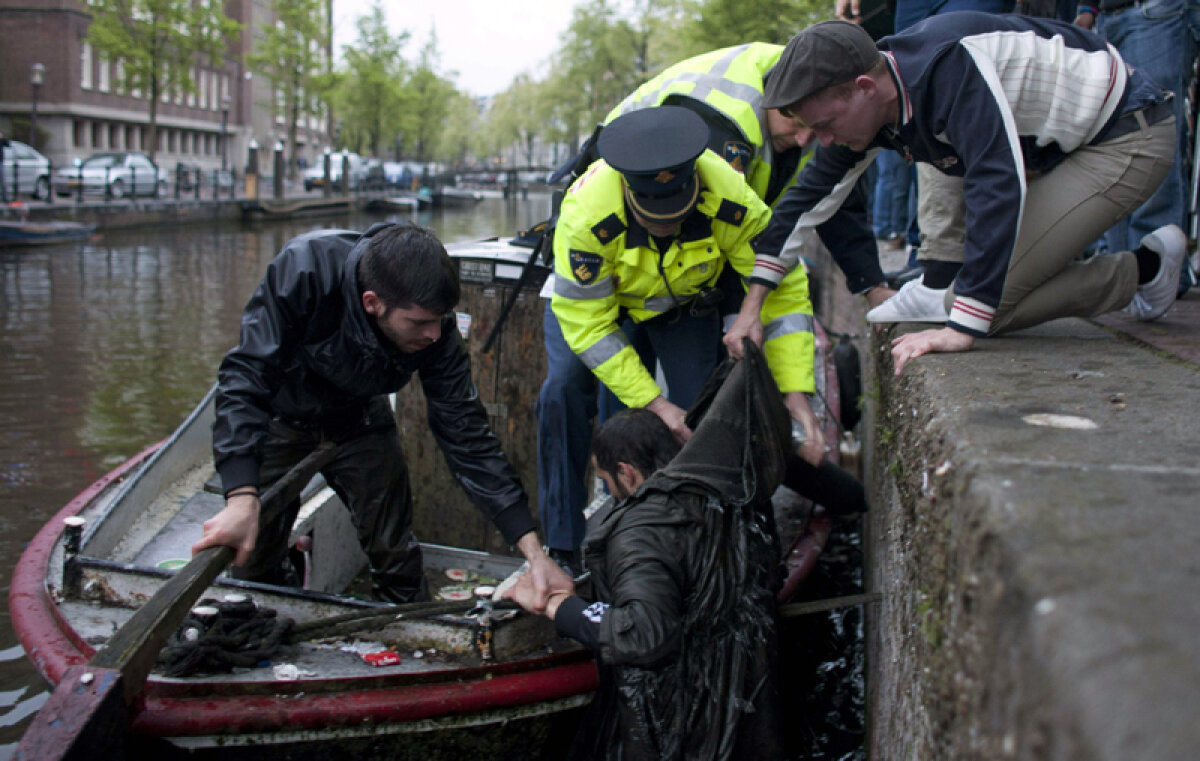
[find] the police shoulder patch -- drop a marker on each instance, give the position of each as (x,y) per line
(585,265)
(738,154)
(731,213)
(608,228)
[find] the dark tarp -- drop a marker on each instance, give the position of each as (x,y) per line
(717,698)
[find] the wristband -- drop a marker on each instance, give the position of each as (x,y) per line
(1089,9)
(251,490)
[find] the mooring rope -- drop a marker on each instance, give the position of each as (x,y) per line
(218,636)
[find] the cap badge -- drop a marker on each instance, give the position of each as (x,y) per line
(664,177)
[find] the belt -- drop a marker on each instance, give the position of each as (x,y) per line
(1132,121)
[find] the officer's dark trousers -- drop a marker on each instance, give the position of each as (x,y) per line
(370,475)
(688,349)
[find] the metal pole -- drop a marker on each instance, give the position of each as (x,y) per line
(279,169)
(224,124)
(37,74)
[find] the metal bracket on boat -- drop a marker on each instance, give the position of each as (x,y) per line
(484,625)
(72,580)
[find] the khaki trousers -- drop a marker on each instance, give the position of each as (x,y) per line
(1066,209)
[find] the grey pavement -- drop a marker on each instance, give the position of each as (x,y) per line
(1035,533)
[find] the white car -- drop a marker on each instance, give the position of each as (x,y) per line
(32,171)
(124,174)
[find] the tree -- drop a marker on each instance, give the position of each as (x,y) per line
(370,90)
(289,55)
(715,24)
(430,94)
(159,43)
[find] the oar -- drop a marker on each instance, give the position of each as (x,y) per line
(88,713)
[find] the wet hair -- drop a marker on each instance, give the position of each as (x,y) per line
(637,437)
(407,265)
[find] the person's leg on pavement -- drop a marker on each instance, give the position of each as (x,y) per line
(1154,38)
(941,214)
(1065,210)
(565,408)
(370,474)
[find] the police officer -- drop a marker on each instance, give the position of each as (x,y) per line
(655,235)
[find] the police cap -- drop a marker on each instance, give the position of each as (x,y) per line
(655,149)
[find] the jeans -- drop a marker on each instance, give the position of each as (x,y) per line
(688,350)
(1157,37)
(909,12)
(889,212)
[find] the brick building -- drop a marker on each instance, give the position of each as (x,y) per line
(81,108)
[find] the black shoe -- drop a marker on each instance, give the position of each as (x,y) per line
(897,278)
(568,560)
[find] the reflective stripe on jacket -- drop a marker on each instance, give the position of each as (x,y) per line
(730,81)
(604,269)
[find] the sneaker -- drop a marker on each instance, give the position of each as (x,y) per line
(1153,299)
(897,279)
(912,303)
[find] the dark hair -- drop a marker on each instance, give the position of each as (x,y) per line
(634,436)
(407,265)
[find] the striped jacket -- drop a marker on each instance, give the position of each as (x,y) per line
(992,99)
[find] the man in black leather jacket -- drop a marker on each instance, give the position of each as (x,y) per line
(683,563)
(339,321)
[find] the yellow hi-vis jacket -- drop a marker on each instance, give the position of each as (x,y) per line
(602,266)
(729,80)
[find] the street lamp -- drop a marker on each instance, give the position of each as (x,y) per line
(225,101)
(37,74)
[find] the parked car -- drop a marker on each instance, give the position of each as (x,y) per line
(124,174)
(185,174)
(32,170)
(314,176)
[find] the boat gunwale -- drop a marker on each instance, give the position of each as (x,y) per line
(53,645)
(50,641)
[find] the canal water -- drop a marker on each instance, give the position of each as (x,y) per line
(105,347)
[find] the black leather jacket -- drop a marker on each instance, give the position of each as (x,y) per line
(310,355)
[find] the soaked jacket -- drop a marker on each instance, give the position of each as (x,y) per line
(606,266)
(684,571)
(310,355)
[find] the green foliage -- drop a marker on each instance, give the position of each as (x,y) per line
(721,23)
(158,43)
(610,47)
(288,56)
(369,98)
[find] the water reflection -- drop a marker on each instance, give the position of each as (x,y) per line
(106,346)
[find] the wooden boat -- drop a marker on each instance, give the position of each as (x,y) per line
(403,201)
(447,688)
(286,208)
(489,686)
(455,198)
(30,233)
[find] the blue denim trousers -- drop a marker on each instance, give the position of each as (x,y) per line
(1158,37)
(889,210)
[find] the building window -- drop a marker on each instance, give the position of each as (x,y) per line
(85,66)
(114,136)
(130,138)
(97,133)
(102,81)
(119,75)
(191,96)
(79,134)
